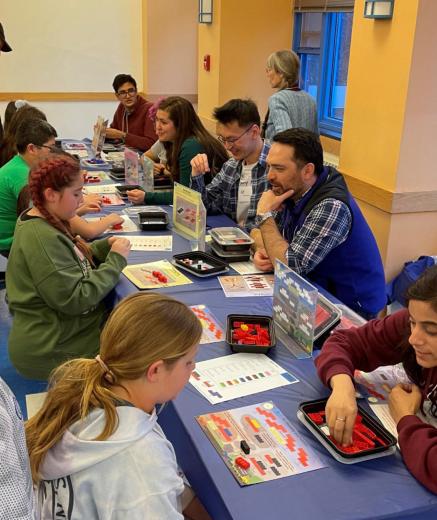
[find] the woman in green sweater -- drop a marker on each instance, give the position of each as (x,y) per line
(180,130)
(55,282)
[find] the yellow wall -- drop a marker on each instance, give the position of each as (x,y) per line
(170,47)
(379,70)
(209,82)
(242,36)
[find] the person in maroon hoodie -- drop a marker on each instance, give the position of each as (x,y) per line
(408,336)
(132,122)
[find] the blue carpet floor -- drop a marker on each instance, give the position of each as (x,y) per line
(19,385)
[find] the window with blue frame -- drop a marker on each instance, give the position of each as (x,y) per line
(322,41)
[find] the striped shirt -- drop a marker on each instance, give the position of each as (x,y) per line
(291,109)
(221,195)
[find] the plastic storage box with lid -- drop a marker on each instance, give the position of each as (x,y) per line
(229,256)
(231,239)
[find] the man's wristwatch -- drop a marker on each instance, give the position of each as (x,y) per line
(261,218)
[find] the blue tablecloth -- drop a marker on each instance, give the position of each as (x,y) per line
(381,488)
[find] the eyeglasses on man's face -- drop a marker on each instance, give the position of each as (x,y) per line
(52,147)
(229,141)
(125,93)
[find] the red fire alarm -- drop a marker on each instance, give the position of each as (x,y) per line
(207,62)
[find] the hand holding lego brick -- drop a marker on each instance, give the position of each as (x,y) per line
(341,409)
(403,400)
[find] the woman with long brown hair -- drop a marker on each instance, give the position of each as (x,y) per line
(181,131)
(96,449)
(408,337)
(56,282)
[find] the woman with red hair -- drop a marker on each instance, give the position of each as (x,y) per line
(56,282)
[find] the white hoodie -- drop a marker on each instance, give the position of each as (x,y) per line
(132,475)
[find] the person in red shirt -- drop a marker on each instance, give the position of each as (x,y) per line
(408,336)
(132,122)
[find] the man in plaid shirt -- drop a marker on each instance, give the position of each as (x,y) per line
(237,188)
(310,221)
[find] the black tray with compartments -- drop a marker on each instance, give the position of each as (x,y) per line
(200,263)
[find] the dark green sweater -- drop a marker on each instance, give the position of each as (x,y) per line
(189,149)
(55,297)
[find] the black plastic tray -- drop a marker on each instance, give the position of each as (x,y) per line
(262,320)
(229,256)
(319,405)
(325,322)
(153,220)
(217,266)
(123,188)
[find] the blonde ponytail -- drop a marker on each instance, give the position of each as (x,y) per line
(143,328)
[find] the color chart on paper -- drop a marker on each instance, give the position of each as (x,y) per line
(275,448)
(238,375)
(211,329)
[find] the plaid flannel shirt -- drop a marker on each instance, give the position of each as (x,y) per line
(221,195)
(326,226)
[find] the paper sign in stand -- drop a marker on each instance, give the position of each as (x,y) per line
(294,311)
(189,216)
(131,167)
(99,136)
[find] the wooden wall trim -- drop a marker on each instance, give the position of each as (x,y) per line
(58,96)
(392,202)
(80,96)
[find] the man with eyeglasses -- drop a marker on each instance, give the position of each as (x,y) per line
(132,123)
(35,139)
(238,186)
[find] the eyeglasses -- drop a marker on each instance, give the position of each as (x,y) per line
(125,93)
(231,140)
(52,147)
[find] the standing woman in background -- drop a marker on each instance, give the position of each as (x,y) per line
(289,107)
(180,130)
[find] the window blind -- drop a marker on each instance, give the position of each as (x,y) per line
(323,5)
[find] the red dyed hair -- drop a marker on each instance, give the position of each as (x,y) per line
(57,173)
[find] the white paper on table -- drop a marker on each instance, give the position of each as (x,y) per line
(371,384)
(79,153)
(101,188)
(382,411)
(245,268)
(76,145)
(243,286)
(150,243)
(128,225)
(238,375)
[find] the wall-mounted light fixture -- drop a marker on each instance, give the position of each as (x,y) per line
(205,11)
(381,9)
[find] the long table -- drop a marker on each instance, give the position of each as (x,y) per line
(381,488)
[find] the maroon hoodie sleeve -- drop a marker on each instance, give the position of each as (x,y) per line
(117,120)
(363,348)
(418,443)
(141,133)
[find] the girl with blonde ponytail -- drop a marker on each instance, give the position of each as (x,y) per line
(96,449)
(55,282)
